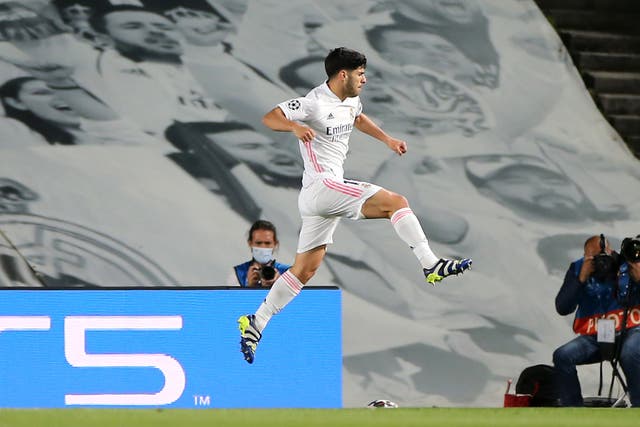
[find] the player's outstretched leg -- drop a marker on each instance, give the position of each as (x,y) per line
(446,267)
(251,326)
(409,229)
(249,336)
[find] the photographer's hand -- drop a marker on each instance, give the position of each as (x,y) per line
(253,276)
(587,269)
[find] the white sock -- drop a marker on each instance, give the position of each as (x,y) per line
(283,290)
(408,228)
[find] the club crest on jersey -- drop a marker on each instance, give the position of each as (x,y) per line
(294,104)
(352,112)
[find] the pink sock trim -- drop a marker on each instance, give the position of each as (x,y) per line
(292,281)
(399,214)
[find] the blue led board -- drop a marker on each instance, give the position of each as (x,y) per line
(166,348)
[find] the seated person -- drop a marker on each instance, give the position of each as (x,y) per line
(592,288)
(262,269)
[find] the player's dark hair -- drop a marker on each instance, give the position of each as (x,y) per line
(53,133)
(263,224)
(342,58)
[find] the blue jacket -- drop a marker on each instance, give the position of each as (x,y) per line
(242,270)
(593,299)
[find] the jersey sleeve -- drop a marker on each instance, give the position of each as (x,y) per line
(359,107)
(299,109)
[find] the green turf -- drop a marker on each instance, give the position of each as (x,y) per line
(365,417)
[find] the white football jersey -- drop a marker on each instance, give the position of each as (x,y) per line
(332,120)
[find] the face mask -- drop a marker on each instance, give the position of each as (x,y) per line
(262,255)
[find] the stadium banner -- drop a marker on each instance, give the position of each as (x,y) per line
(166,348)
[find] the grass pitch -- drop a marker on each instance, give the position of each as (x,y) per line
(450,417)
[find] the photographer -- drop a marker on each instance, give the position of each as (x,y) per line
(262,270)
(629,293)
(591,288)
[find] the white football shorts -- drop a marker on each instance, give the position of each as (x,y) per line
(324,202)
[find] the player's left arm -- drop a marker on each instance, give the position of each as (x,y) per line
(364,124)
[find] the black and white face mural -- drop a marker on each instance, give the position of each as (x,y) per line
(132,151)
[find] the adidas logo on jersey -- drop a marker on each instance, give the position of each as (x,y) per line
(330,116)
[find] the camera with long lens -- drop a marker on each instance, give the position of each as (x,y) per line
(630,249)
(630,252)
(267,272)
(604,264)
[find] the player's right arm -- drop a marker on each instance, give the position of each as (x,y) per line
(276,120)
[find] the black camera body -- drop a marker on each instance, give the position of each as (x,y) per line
(628,288)
(267,272)
(630,249)
(604,264)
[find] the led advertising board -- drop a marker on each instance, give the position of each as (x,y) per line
(166,348)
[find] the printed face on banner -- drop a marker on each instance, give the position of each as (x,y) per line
(143,31)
